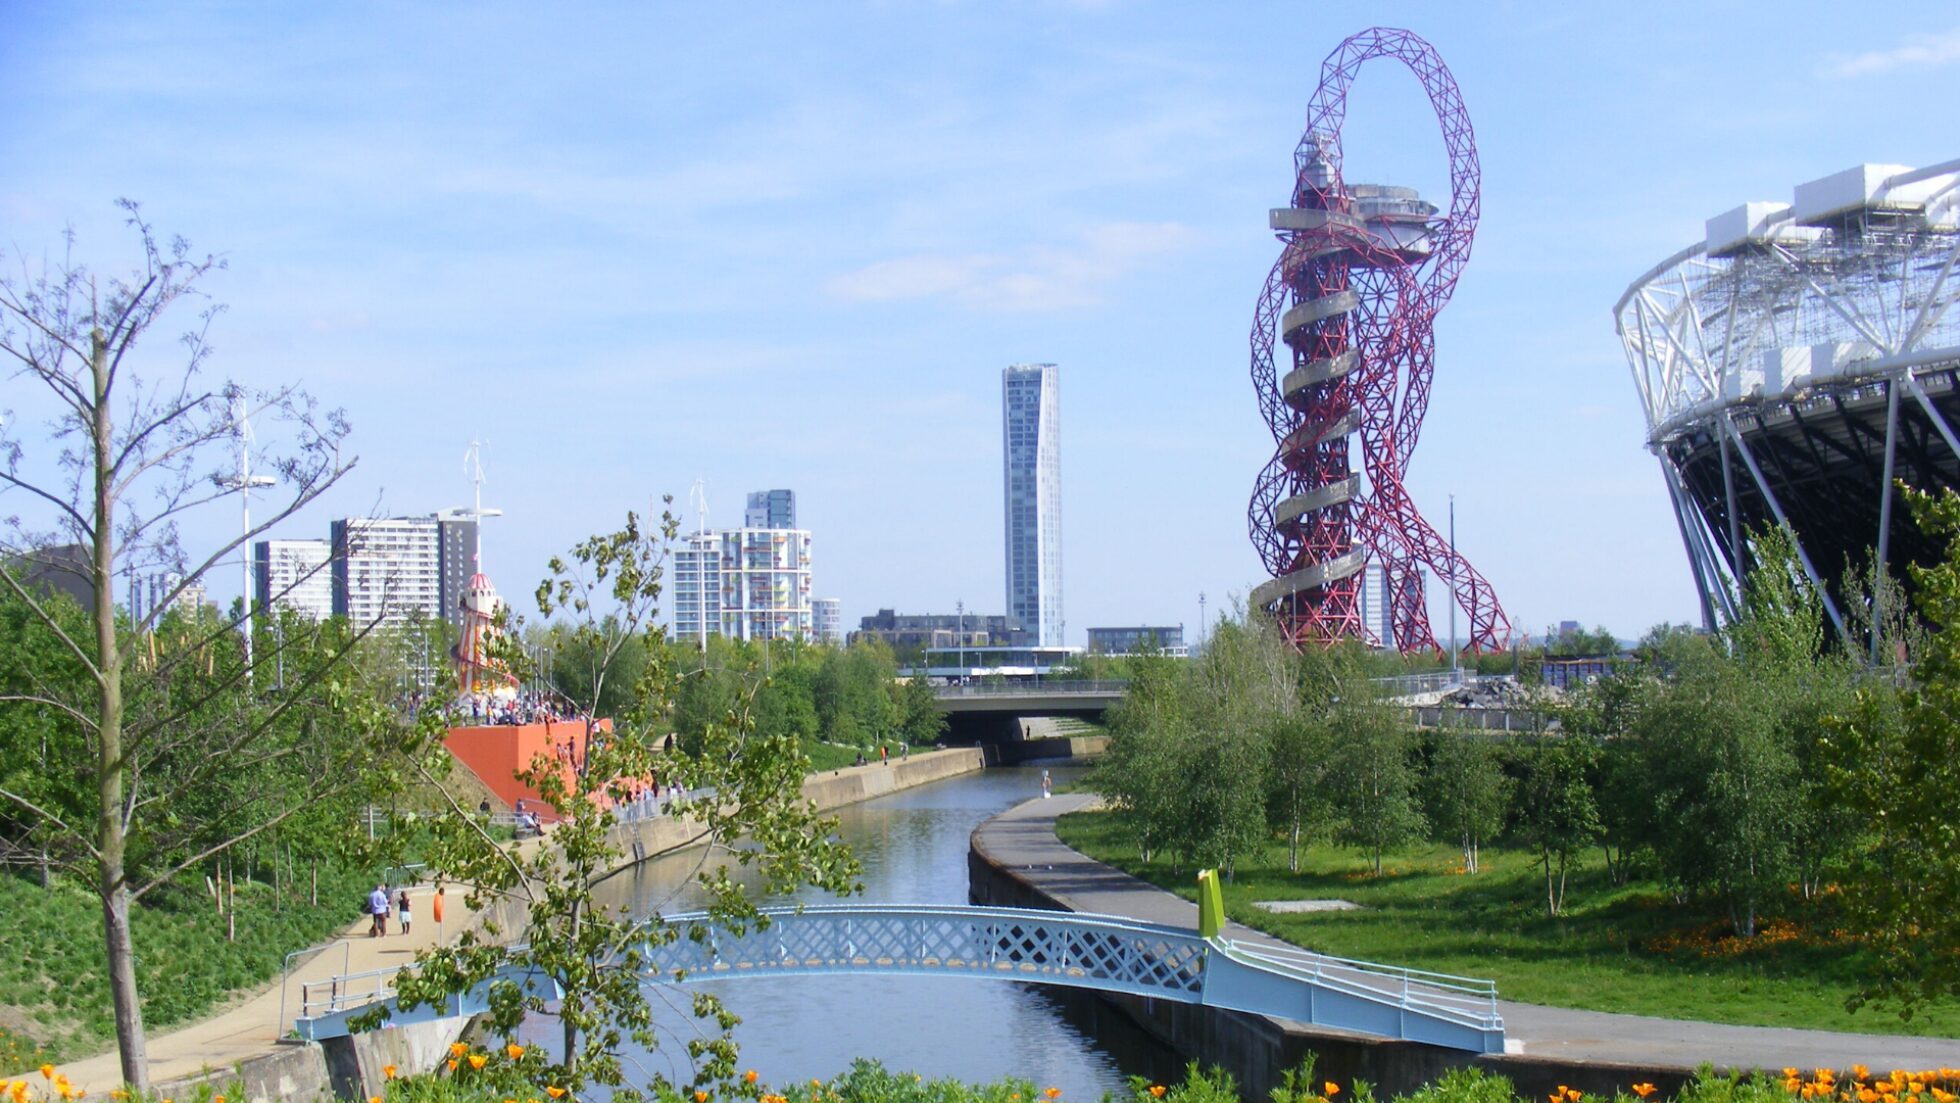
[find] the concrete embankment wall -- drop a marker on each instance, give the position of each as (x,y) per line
(1257,1050)
(340,1068)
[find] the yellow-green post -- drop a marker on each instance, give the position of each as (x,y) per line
(1211,904)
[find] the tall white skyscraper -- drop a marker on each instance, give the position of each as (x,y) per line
(1031,460)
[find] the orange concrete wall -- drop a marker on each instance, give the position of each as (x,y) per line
(497,752)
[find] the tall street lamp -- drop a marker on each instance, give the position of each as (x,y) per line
(245,482)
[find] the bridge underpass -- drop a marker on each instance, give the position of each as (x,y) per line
(1100,953)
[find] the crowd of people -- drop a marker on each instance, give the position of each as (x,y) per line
(525,708)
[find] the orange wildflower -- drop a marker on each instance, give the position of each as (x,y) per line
(555,1093)
(388,1072)
(478,1060)
(451,1063)
(749,1077)
(457,1049)
(47,1072)
(700,1097)
(374,1099)
(1053,1093)
(514,1051)
(1643,1089)
(1157,1090)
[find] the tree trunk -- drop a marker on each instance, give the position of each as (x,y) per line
(1293,849)
(111,841)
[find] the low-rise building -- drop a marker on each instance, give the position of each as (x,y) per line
(1167,639)
(294,574)
(907,631)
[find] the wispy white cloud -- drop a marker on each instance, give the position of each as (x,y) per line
(1942,48)
(1036,278)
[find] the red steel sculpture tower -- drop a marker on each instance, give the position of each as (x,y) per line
(1362,271)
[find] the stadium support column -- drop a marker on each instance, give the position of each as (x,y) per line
(1885,510)
(1783,519)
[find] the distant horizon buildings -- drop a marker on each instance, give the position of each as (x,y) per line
(770,509)
(1031,476)
(906,630)
(1377,618)
(827,616)
(746,584)
(1167,639)
(389,569)
(294,574)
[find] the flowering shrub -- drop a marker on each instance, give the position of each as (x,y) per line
(514,1074)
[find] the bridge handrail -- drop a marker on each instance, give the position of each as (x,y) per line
(949,911)
(1293,957)
(1464,1000)
(1029,689)
(1116,953)
(344,991)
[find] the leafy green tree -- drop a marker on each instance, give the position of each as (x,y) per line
(1302,747)
(1557,816)
(595,953)
(600,668)
(1140,774)
(922,721)
(1373,783)
(1466,794)
(1895,757)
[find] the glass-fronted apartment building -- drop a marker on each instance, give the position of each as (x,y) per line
(746,583)
(1031,460)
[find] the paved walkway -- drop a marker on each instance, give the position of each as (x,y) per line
(1023,839)
(255,1025)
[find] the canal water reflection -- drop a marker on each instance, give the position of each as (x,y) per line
(913,848)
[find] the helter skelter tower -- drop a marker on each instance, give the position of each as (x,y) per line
(1362,271)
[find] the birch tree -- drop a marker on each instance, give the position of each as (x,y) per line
(120,444)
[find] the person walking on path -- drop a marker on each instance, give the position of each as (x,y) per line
(1047,785)
(883,758)
(378,908)
(408,916)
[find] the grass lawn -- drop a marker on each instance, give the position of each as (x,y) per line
(1625,949)
(829,756)
(54,991)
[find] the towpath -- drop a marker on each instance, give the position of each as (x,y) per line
(1023,839)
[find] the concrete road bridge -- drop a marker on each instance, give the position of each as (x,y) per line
(1100,953)
(985,712)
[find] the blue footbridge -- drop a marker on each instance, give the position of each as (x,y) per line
(1095,952)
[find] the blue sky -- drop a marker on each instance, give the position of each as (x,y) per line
(629,246)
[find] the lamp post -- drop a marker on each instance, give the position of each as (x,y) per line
(960,634)
(244,482)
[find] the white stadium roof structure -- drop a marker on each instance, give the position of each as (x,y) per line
(1795,363)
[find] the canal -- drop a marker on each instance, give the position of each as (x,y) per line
(913,848)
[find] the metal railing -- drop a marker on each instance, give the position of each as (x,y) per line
(1471,1001)
(1518,721)
(346,991)
(1104,953)
(1045,688)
